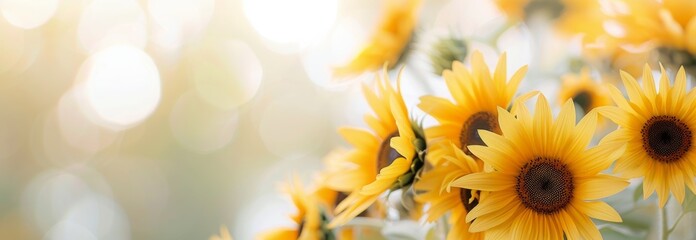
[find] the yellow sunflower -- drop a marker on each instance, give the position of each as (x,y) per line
(545,180)
(667,25)
(310,219)
(585,92)
(389,42)
(657,127)
(569,16)
(224,234)
(477,93)
(608,55)
(434,189)
(386,158)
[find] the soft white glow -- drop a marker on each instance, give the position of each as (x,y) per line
(176,21)
(227,74)
(201,127)
(28,14)
(122,86)
(108,22)
(339,47)
(294,23)
(12,46)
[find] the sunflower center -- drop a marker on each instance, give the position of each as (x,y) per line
(545,185)
(387,154)
(547,8)
(584,100)
(465,196)
(666,138)
(479,120)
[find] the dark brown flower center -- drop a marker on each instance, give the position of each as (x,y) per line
(584,100)
(465,196)
(480,120)
(387,154)
(666,138)
(545,185)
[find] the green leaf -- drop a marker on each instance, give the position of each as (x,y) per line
(638,193)
(689,204)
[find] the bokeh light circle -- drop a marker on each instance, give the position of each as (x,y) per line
(109,22)
(227,74)
(177,21)
(28,14)
(293,24)
(122,86)
(77,128)
(12,47)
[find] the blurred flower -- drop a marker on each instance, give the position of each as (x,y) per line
(390,43)
(311,217)
(445,51)
(394,150)
(434,189)
(585,91)
(224,234)
(544,179)
(569,16)
(477,95)
(666,25)
(606,54)
(657,128)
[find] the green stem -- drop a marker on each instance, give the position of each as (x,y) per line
(665,231)
(676,223)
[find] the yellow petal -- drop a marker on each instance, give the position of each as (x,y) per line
(599,210)
(493,181)
(599,186)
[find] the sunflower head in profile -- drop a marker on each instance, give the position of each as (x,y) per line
(434,189)
(224,234)
(477,94)
(390,41)
(584,91)
(669,26)
(658,128)
(544,181)
(311,218)
(447,50)
(386,158)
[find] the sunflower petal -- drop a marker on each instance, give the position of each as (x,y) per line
(492,181)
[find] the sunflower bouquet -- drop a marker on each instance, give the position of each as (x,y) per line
(496,155)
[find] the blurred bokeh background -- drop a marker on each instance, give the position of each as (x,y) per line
(164,119)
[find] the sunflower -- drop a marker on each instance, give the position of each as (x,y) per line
(585,92)
(387,159)
(390,41)
(224,234)
(477,93)
(666,25)
(544,179)
(608,55)
(569,16)
(657,127)
(311,218)
(434,189)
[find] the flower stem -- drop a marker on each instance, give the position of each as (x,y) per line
(663,215)
(676,223)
